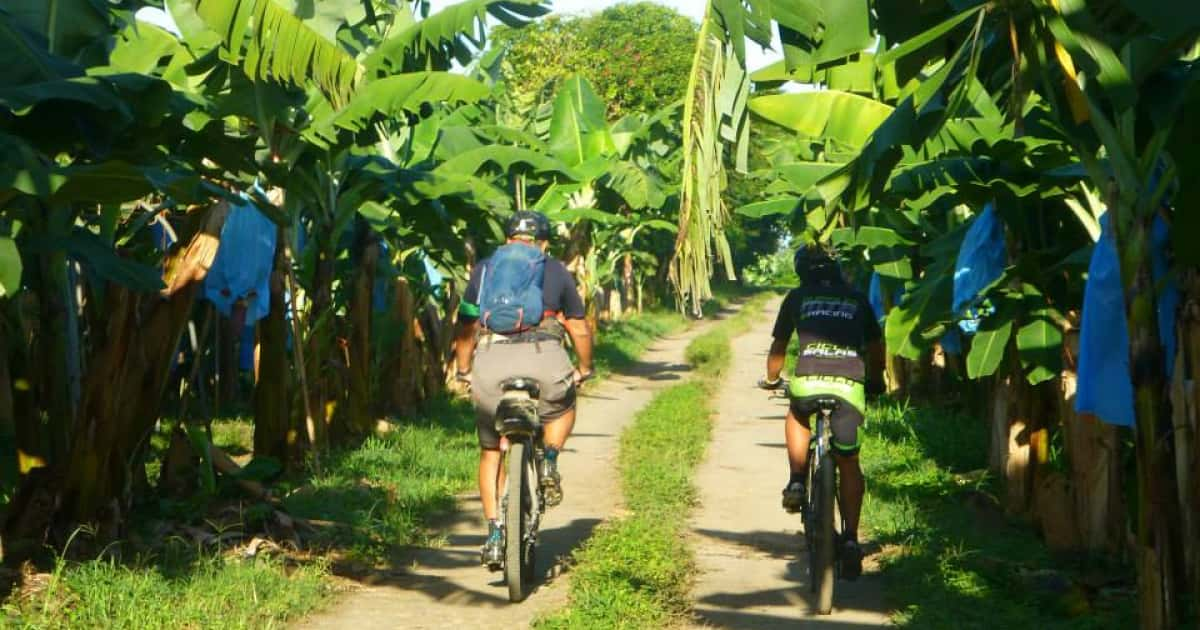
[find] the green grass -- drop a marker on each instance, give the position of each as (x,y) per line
(380,497)
(382,494)
(951,559)
(710,354)
(622,342)
(636,571)
(179,589)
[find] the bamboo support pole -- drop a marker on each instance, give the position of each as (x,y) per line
(298,346)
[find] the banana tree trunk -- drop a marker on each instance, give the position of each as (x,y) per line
(892,372)
(1156,552)
(229,352)
(8,421)
(433,336)
(122,396)
(1092,449)
(51,348)
(1186,404)
(24,367)
(449,322)
(997,418)
(1193,310)
(627,290)
(405,359)
(276,433)
(319,348)
(1019,460)
(1182,429)
(356,416)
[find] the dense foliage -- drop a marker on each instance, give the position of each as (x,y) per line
(129,149)
(1054,113)
(636,54)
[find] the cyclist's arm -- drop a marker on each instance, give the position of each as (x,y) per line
(466,332)
(573,317)
(465,336)
(581,339)
(875,365)
(776,357)
(781,334)
(873,347)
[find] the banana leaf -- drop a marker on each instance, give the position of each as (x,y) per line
(579,133)
(10,267)
(841,116)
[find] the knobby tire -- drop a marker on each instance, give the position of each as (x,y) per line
(518,561)
(823,552)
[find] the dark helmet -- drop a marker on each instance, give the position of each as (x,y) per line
(528,223)
(814,264)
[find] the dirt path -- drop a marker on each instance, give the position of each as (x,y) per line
(751,574)
(446,588)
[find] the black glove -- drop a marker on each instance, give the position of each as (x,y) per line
(778,383)
(579,377)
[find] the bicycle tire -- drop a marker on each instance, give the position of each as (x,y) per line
(809,518)
(516,510)
(823,575)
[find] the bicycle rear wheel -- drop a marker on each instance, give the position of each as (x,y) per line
(822,549)
(518,547)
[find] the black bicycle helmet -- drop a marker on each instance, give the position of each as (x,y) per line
(815,265)
(528,223)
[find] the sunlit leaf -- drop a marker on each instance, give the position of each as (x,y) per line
(987,349)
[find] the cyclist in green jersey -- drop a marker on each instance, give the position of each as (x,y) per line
(840,355)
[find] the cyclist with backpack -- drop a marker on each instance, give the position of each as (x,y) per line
(841,355)
(515,309)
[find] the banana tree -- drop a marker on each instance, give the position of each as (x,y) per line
(86,130)
(298,128)
(715,112)
(367,91)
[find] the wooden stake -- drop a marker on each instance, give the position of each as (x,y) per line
(298,346)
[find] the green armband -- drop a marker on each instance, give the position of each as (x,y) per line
(467,309)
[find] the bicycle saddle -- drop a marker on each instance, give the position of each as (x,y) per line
(521,384)
(828,404)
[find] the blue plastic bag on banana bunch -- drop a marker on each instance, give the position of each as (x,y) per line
(981,260)
(243,264)
(1104,387)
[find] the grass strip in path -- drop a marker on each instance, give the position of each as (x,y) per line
(951,558)
(636,571)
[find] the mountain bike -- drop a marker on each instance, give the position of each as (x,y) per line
(818,513)
(521,502)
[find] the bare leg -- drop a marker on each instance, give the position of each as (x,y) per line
(489,477)
(556,432)
(797,434)
(852,485)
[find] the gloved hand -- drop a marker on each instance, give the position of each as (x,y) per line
(579,376)
(778,383)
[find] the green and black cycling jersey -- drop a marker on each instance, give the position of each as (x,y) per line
(834,324)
